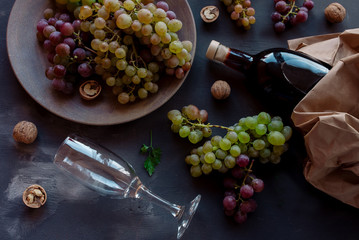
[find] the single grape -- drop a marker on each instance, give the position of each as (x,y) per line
(276,17)
(206,168)
(184,131)
(246,191)
(196,171)
(229,161)
(243,137)
(309,4)
(229,202)
(240,217)
(276,138)
(242,160)
(85,70)
(279,27)
(281,6)
(225,144)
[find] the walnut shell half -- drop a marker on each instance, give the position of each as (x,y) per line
(34,196)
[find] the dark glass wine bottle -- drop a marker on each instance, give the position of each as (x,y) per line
(281,73)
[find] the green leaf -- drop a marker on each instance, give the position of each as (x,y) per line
(153,158)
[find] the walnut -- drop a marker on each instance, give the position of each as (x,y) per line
(209,13)
(220,89)
(90,89)
(34,196)
(335,13)
(24,132)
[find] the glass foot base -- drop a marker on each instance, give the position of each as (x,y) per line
(188,211)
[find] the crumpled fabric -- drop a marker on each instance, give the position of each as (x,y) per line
(328,116)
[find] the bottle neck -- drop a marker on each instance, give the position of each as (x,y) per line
(232,58)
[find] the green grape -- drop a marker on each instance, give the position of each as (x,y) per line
(194,159)
(217,164)
(275,125)
(220,154)
(85,12)
(174,36)
(244,137)
(275,159)
(177,120)
(207,147)
(263,160)
(223,169)
(174,25)
(176,46)
(136,79)
(113,46)
(196,171)
(85,26)
(123,98)
(265,153)
(258,144)
(209,157)
(127,40)
(215,140)
(95,44)
(232,136)
(187,45)
(124,21)
(252,152)
(193,137)
(166,38)
(184,131)
(103,47)
(277,118)
(100,23)
(207,132)
(243,147)
(200,150)
(206,168)
(88,2)
(199,133)
(229,161)
(161,28)
(250,122)
(187,159)
(276,138)
(148,85)
(142,72)
(225,144)
(153,67)
(110,81)
(103,13)
(287,132)
(201,158)
(263,118)
(130,71)
(235,150)
(120,52)
(145,16)
(129,5)
(278,150)
(121,64)
(261,129)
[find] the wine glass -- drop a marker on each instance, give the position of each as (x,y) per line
(110,175)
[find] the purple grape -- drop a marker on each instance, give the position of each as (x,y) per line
(276,17)
(59,24)
(52,21)
(63,50)
(79,54)
(49,73)
(41,25)
(229,203)
(230,193)
(48,46)
(65,17)
(55,38)
(76,25)
(230,212)
(67,29)
(279,27)
(48,30)
(70,41)
(240,217)
(304,9)
(85,70)
(257,185)
(171,15)
(301,16)
(50,57)
(68,89)
(281,6)
(242,160)
(58,84)
(237,172)
(229,182)
(57,15)
(59,71)
(246,191)
(246,207)
(309,4)
(163,5)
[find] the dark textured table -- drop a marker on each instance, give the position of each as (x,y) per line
(288,208)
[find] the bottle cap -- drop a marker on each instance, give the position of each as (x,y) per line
(212,50)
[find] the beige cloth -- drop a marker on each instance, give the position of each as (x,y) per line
(328,116)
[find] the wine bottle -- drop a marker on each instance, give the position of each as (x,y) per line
(281,73)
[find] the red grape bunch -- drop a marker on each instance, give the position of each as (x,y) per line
(287,13)
(241,11)
(240,188)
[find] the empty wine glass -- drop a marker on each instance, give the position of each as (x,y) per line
(107,173)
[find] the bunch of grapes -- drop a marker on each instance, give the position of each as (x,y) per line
(129,44)
(260,136)
(240,188)
(287,13)
(241,11)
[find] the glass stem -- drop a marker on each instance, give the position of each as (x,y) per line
(146,194)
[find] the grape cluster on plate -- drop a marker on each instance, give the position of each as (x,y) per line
(287,13)
(241,11)
(128,43)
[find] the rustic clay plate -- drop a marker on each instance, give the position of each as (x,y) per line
(29,62)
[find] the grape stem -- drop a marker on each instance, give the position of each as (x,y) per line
(206,125)
(292,5)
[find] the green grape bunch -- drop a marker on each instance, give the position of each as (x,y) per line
(260,137)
